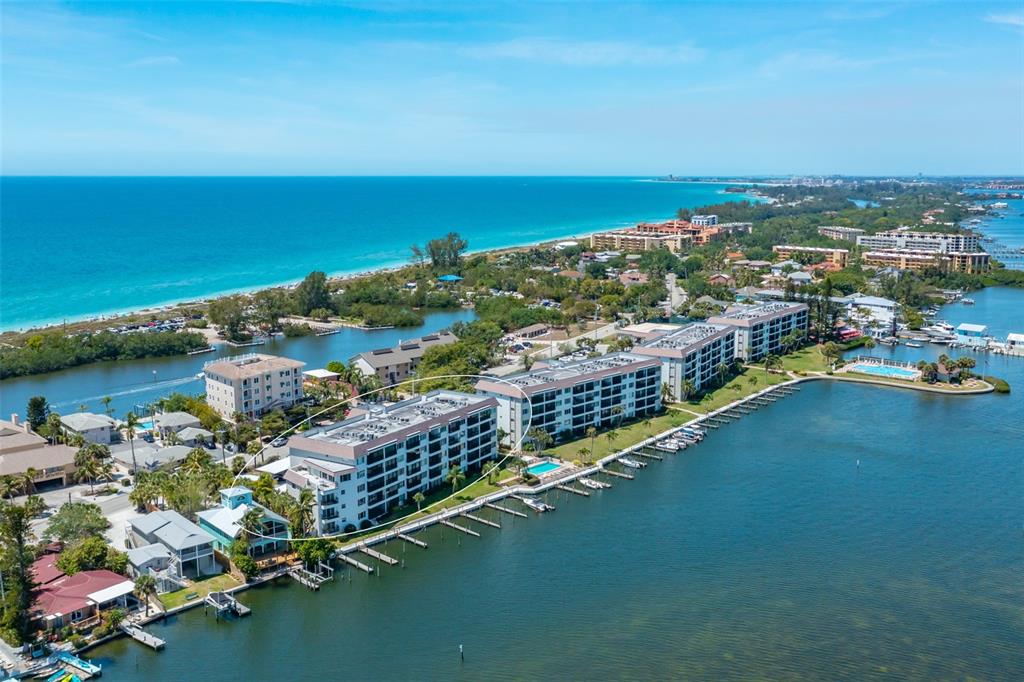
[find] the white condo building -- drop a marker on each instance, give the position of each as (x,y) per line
(252,384)
(704,220)
(366,465)
(693,353)
(907,240)
(565,398)
(761,328)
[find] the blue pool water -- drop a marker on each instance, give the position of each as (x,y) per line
(542,468)
(884,371)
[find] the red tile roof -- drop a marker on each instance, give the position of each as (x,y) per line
(70,593)
(44,569)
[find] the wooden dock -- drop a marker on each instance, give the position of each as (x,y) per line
(456,526)
(620,474)
(353,562)
(575,491)
(379,556)
(309,579)
(648,455)
(412,541)
(513,512)
(224,602)
(140,635)
(486,522)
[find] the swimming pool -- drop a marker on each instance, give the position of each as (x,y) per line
(884,371)
(542,468)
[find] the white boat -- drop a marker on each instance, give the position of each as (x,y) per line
(967,301)
(592,484)
(537,505)
(913,344)
(631,463)
(666,446)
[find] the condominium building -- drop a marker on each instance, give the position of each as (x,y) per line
(704,220)
(633,241)
(393,365)
(939,242)
(566,398)
(839,232)
(969,262)
(389,453)
(901,260)
(693,353)
(334,487)
(761,328)
(252,384)
(838,257)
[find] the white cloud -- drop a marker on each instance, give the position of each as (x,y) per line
(821,60)
(162,60)
(586,53)
(1009,19)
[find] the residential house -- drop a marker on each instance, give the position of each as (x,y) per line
(394,365)
(94,428)
(224,523)
(173,422)
(252,384)
(190,547)
(76,600)
(22,450)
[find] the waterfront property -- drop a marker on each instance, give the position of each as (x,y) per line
(692,355)
(974,335)
(190,548)
(840,233)
(762,328)
(94,428)
(151,457)
(252,384)
(969,262)
(394,365)
(835,256)
(334,486)
(174,422)
(61,600)
(223,523)
(909,240)
(21,450)
(566,398)
(391,452)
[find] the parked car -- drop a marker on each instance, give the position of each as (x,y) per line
(279,442)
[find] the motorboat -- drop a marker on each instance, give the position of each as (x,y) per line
(631,463)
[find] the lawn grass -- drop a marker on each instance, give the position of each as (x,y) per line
(625,436)
(201,587)
(807,359)
(748,382)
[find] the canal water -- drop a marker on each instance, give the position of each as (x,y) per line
(845,532)
(135,382)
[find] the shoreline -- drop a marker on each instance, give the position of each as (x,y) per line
(172,305)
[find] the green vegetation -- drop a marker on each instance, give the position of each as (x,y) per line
(76,521)
(50,351)
(750,381)
(1000,385)
(590,449)
(16,559)
(92,553)
(200,588)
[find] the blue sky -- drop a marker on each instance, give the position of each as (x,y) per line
(422,88)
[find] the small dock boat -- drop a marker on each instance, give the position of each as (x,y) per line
(632,463)
(536,505)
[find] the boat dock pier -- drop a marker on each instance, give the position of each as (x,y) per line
(467,531)
(224,603)
(310,579)
(570,489)
(486,522)
(379,556)
(140,635)
(620,474)
(648,455)
(513,512)
(411,540)
(353,562)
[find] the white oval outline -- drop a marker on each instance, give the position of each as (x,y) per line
(393,522)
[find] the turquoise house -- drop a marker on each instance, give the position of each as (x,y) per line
(224,523)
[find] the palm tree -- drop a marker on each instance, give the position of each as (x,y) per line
(617,413)
(721,370)
(251,524)
(592,435)
(419,498)
(490,470)
(772,362)
(28,480)
(145,493)
(145,587)
(583,453)
(610,436)
(9,486)
(87,470)
(304,511)
(254,448)
(54,428)
(131,421)
(541,439)
(106,405)
(196,461)
(688,389)
(666,393)
(526,360)
(455,477)
(172,438)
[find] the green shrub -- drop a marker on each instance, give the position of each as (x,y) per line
(1001,385)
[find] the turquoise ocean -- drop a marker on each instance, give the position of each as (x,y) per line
(74,248)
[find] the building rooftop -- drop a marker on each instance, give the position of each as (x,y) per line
(14,436)
(407,351)
(681,341)
(250,365)
(754,312)
(86,421)
(175,419)
(39,458)
(383,421)
(140,555)
(566,373)
(967,327)
(172,529)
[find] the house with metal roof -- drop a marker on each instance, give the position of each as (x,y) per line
(190,547)
(393,365)
(224,523)
(173,422)
(94,428)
